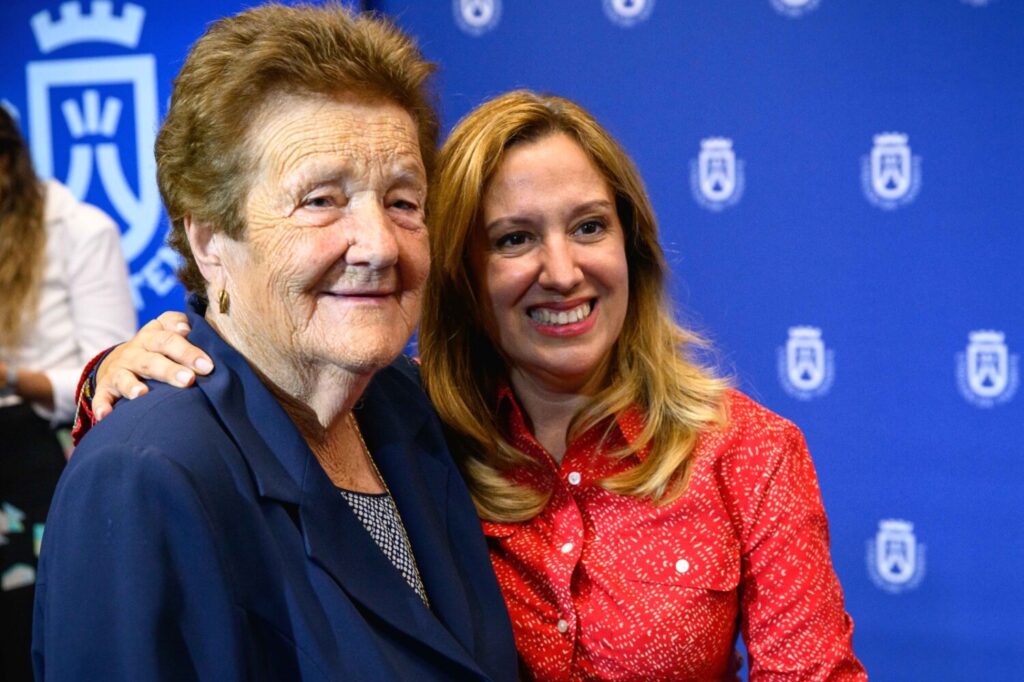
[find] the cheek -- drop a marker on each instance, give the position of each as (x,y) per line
(298,258)
(416,256)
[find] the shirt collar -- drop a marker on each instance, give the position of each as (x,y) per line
(512,420)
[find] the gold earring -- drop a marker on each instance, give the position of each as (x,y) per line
(223,302)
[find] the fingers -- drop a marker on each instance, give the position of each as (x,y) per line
(173,321)
(150,365)
(172,346)
(118,384)
(159,351)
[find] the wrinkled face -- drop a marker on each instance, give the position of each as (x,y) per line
(333,262)
(550,261)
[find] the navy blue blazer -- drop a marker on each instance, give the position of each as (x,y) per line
(194,536)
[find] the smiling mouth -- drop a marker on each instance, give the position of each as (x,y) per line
(558,318)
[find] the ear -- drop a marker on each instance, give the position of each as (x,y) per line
(206,248)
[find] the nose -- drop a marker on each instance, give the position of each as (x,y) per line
(371,235)
(559,270)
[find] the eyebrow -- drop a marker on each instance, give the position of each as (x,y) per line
(525,220)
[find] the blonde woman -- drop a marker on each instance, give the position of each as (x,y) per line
(65,296)
(640,515)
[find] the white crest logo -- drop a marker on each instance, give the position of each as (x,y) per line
(91,120)
(895,558)
(477,17)
(716,176)
(11,109)
(890,176)
(806,367)
(628,13)
(987,374)
(794,8)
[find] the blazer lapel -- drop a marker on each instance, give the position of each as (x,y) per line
(284,469)
(391,421)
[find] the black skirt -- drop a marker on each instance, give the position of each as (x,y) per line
(31,461)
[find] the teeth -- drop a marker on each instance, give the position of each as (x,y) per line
(557,318)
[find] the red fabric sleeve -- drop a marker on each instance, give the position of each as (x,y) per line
(84,419)
(794,621)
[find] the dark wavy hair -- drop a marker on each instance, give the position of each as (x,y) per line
(22,233)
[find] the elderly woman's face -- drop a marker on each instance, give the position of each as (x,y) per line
(551,262)
(333,262)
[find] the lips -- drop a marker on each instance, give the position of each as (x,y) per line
(553,317)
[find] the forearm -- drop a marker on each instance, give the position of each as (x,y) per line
(28,384)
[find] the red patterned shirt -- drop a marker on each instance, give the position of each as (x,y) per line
(610,587)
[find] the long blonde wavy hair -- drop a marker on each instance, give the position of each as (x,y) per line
(22,235)
(650,364)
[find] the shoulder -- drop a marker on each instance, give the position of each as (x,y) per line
(750,420)
(754,440)
(758,464)
(176,425)
(74,219)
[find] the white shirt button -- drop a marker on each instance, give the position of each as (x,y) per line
(567,547)
(574,478)
(682,565)
(562,625)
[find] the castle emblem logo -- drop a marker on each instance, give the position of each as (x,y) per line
(476,17)
(794,8)
(104,108)
(806,366)
(895,558)
(91,119)
(716,175)
(628,13)
(890,175)
(987,374)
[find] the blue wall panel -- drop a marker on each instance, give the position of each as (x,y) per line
(801,88)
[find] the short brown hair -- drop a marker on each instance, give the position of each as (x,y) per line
(203,165)
(650,365)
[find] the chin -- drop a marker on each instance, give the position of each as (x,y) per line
(365,359)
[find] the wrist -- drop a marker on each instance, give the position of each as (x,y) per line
(10,375)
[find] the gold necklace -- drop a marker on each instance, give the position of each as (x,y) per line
(405,533)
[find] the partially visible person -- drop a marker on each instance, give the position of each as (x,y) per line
(297,515)
(640,514)
(65,296)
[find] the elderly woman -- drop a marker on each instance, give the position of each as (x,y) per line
(640,515)
(298,515)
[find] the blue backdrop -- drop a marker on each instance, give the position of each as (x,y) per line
(837,185)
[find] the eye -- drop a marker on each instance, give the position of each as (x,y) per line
(511,240)
(590,228)
(320,202)
(323,200)
(405,205)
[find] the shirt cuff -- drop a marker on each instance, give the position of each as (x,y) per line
(84,418)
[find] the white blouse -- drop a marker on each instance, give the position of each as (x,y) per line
(85,304)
